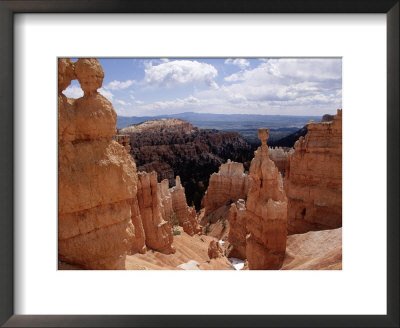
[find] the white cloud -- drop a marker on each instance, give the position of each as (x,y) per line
(287,79)
(178,103)
(106,93)
(283,85)
(291,70)
(241,62)
(118,85)
(121,102)
(275,86)
(179,72)
(73,91)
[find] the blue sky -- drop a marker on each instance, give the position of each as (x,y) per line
(276,86)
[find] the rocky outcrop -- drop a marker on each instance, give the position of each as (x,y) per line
(266,213)
(158,232)
(280,157)
(96,177)
(186,215)
(214,250)
(313,182)
(173,147)
(160,208)
(123,140)
(237,230)
(226,186)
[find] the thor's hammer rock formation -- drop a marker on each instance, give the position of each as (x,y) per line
(266,212)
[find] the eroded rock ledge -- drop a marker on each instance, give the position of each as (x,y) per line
(313,181)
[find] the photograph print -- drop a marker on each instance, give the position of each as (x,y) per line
(199,163)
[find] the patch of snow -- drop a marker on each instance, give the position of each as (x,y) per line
(238,264)
(190,265)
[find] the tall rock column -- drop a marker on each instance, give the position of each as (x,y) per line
(186,215)
(237,230)
(313,182)
(158,232)
(96,177)
(266,213)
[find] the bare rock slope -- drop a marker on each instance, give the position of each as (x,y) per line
(314,250)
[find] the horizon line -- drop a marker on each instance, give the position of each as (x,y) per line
(224,114)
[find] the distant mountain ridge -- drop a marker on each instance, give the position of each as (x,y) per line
(195,118)
(245,124)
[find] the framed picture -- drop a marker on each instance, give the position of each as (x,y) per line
(261,30)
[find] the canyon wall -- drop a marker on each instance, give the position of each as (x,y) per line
(266,212)
(226,186)
(96,177)
(173,147)
(313,181)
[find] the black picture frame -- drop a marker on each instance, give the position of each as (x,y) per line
(7,10)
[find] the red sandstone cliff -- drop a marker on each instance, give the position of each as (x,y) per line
(313,182)
(266,213)
(96,177)
(226,186)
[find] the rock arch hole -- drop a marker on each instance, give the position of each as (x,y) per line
(74,90)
